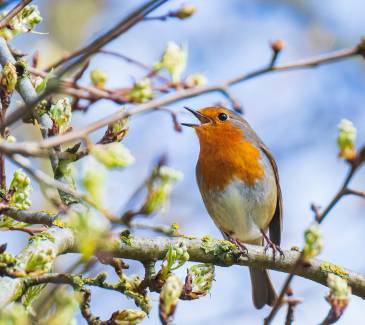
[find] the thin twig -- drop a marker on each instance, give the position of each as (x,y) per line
(43,178)
(29,231)
(188,93)
(72,61)
(132,19)
(319,217)
(135,62)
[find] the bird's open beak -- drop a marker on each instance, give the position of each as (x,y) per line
(202,118)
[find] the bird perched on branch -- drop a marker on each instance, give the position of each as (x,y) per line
(239,183)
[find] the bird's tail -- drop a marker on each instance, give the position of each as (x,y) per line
(263,292)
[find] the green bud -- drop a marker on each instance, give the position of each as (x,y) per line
(185,11)
(119,126)
(98,78)
(339,287)
(11,139)
(7,259)
(9,77)
(155,201)
(346,139)
(40,262)
(159,188)
(30,17)
(20,188)
(196,80)
(23,22)
(169,174)
(66,173)
(93,181)
(90,231)
(174,228)
(141,92)
(60,112)
(174,60)
(41,83)
(202,278)
(112,155)
(176,257)
(313,241)
(169,296)
(127,317)
(339,294)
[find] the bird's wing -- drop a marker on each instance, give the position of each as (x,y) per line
(276,223)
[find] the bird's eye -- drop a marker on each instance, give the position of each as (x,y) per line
(222,116)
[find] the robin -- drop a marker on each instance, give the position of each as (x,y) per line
(239,183)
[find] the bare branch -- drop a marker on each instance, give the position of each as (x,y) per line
(80,56)
(193,92)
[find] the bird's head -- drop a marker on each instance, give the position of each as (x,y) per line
(217,124)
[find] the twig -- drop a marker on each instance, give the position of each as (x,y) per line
(29,231)
(135,62)
(276,47)
(355,192)
(113,33)
(296,267)
(292,303)
(43,178)
(73,60)
(344,190)
(335,312)
(188,93)
(13,12)
(236,105)
(319,217)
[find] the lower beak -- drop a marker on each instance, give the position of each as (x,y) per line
(202,118)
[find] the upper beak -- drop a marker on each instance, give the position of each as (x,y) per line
(202,118)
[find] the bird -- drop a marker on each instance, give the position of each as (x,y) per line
(239,183)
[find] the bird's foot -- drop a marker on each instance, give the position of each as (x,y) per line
(240,246)
(269,244)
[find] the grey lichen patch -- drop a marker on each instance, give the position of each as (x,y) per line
(328,267)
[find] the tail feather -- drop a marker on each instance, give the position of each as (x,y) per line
(263,292)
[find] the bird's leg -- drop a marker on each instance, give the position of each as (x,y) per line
(275,248)
(241,247)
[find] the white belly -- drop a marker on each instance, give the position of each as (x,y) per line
(240,210)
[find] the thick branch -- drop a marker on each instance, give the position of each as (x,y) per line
(60,241)
(144,249)
(149,249)
(42,218)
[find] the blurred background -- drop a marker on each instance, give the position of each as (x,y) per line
(295,113)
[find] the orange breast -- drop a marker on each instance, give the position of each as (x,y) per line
(225,154)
